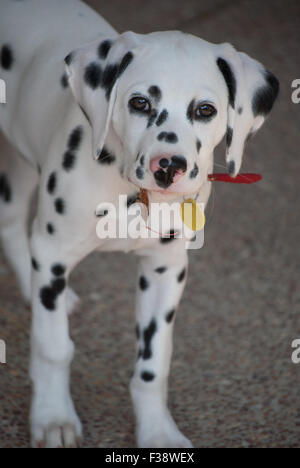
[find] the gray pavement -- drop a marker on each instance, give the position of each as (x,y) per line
(233,383)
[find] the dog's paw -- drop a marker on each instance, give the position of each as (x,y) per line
(164,435)
(73,301)
(57,436)
(54,428)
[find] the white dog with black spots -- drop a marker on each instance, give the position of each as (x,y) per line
(92,114)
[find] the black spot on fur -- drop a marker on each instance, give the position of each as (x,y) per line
(240,110)
(58,270)
(58,285)
(75,139)
(155,93)
(104,49)
(162,136)
(161,270)
(231,167)
(5,189)
(229,136)
(113,72)
(198,145)
(142,161)
(64,80)
(181,276)
(169,137)
(35,264)
(190,111)
(139,173)
(170,316)
(102,214)
(60,207)
(194,172)
(126,61)
(132,199)
(93,75)
(48,298)
(69,160)
(147,376)
(152,118)
(168,237)
(52,182)
(69,59)
(109,78)
(162,117)
(265,96)
(106,157)
(144,284)
(137,332)
(7,57)
(49,294)
(148,335)
(50,229)
(229,78)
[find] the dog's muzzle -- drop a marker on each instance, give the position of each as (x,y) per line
(168,169)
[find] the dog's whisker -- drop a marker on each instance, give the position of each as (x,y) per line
(220,165)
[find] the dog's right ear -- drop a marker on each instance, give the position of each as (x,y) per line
(252,91)
(93,74)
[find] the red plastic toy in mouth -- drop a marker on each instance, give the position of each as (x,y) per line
(239,179)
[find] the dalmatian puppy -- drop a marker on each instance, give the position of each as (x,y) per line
(122,113)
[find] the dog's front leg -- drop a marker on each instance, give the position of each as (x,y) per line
(54,422)
(161,283)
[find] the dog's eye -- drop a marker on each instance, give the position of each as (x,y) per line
(140,104)
(204,111)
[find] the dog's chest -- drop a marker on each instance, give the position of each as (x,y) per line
(125,224)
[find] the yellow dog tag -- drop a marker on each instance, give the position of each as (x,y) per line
(192,215)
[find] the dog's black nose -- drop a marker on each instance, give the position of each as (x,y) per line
(168,170)
(179,163)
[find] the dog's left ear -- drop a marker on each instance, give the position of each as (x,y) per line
(93,74)
(252,91)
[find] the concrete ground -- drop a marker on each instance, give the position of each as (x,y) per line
(232,383)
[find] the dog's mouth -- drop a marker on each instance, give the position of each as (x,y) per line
(159,194)
(168,172)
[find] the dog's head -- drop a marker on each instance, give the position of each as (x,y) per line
(167,99)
